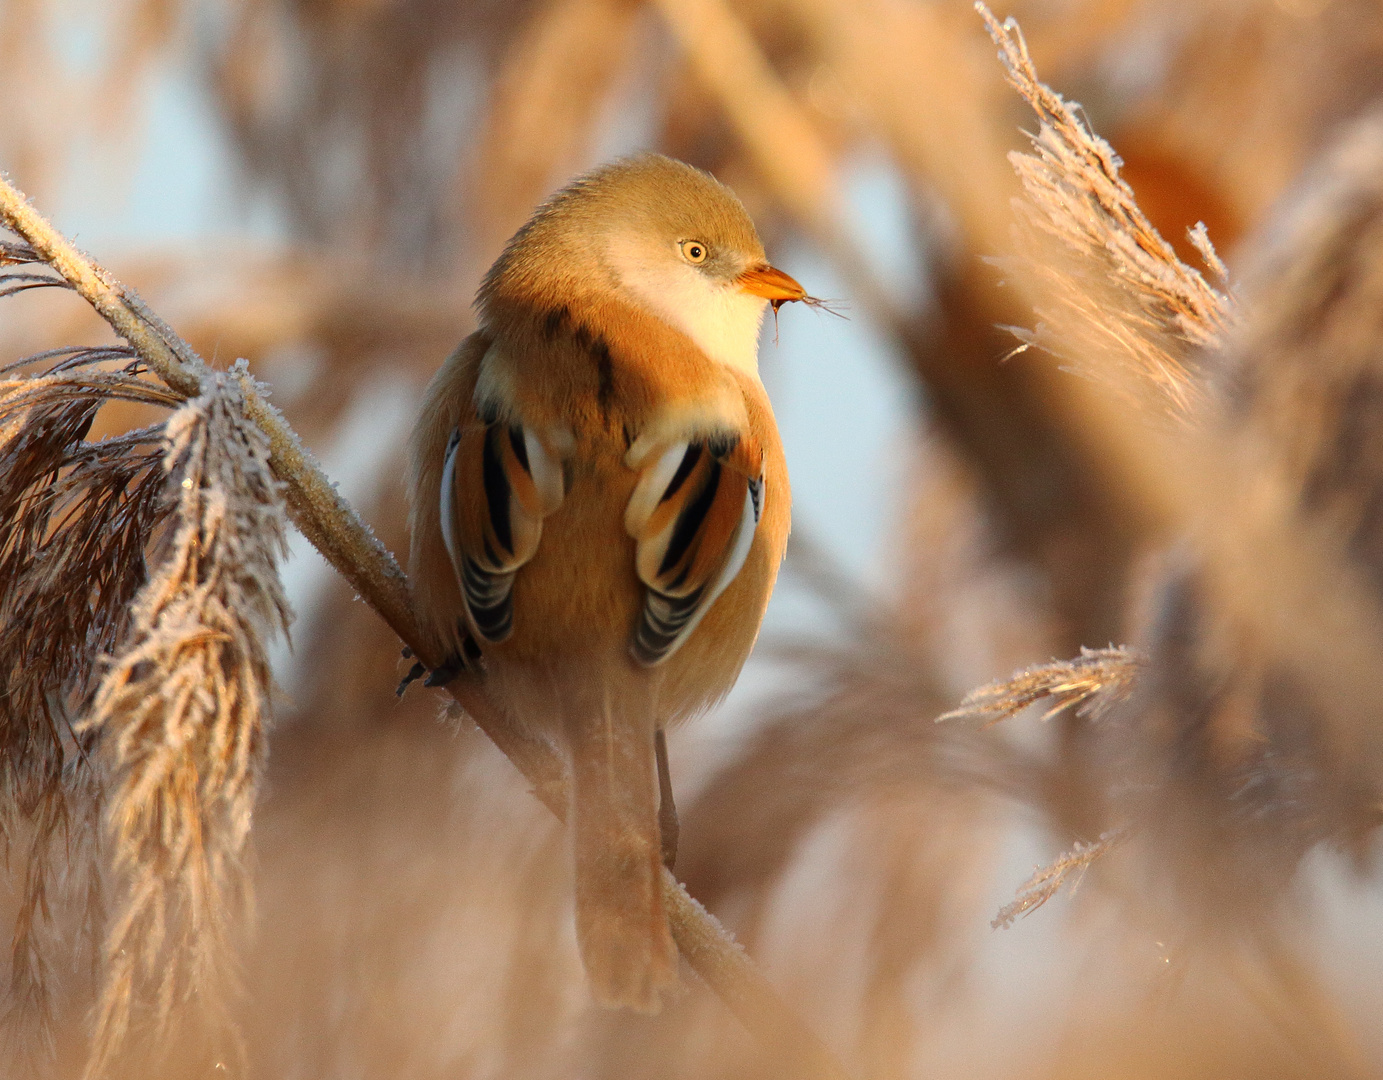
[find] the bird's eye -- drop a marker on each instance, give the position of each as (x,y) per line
(694,251)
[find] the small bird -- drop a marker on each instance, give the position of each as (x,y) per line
(599,505)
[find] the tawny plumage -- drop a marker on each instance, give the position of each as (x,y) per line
(600,505)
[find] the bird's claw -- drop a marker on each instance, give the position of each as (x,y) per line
(415,673)
(445,672)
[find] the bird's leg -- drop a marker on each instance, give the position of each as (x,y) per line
(667,809)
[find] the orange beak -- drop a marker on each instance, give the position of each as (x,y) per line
(771,284)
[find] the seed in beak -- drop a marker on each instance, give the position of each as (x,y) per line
(772,284)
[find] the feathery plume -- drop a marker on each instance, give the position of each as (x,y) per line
(75,518)
(1047,881)
(182,712)
(1090,683)
(1111,290)
(18,281)
(13,253)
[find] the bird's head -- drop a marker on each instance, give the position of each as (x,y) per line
(663,236)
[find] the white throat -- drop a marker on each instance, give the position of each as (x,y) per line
(723,320)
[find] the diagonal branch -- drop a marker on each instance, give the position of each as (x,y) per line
(337,531)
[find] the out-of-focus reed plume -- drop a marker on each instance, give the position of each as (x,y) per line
(181,712)
(1228,759)
(356,115)
(1249,91)
(1305,377)
(1277,767)
(554,78)
(1217,690)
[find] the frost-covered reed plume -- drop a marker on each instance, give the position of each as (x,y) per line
(75,518)
(181,712)
(1114,301)
(1090,683)
(1237,736)
(141,593)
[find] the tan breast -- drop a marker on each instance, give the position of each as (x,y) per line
(576,601)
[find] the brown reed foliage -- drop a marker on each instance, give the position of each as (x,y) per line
(163,672)
(1298,388)
(1243,732)
(1194,778)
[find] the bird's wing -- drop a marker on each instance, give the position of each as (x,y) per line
(498,483)
(693,513)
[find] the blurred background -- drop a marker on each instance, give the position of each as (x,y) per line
(318,185)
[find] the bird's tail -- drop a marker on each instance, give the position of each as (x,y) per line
(621,924)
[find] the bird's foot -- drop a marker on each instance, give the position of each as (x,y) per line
(416,672)
(446,671)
